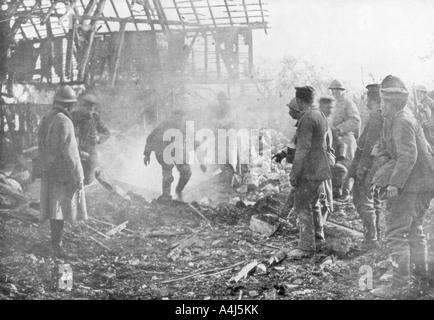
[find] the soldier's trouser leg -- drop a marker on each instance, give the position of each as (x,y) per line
(339,173)
(56,228)
(318,221)
(184,176)
(400,221)
(306,197)
(167,175)
(377,196)
(363,199)
(321,210)
(89,168)
(418,243)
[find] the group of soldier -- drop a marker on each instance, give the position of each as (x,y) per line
(391,161)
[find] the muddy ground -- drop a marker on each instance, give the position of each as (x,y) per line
(135,265)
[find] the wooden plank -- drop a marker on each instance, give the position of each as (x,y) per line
(88,49)
(148,13)
(229,12)
(211,13)
(117,229)
(245,11)
(132,13)
(69,49)
(178,12)
(118,53)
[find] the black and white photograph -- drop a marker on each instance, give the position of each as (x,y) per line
(217,154)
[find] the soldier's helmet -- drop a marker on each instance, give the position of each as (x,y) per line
(90,99)
(393,87)
(293,105)
(65,94)
(326,99)
(373,90)
(336,85)
(421,88)
(222,96)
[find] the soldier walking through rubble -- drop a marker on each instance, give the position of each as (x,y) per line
(408,175)
(90,131)
(156,143)
(366,198)
(346,122)
(310,169)
(62,194)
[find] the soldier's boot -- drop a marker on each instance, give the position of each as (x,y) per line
(318,224)
(370,241)
(166,186)
(184,177)
(57,239)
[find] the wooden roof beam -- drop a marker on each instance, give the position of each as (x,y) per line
(229,12)
(211,13)
(132,13)
(178,12)
(146,7)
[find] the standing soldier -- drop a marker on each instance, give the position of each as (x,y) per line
(424,112)
(309,170)
(90,131)
(346,122)
(409,177)
(366,198)
(338,169)
(62,194)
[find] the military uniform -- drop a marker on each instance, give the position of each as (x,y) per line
(346,118)
(90,131)
(408,167)
(62,194)
(309,171)
(365,196)
(155,143)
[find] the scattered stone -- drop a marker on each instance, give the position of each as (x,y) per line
(264,224)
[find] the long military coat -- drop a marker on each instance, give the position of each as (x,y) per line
(61,169)
(311,160)
(346,117)
(409,164)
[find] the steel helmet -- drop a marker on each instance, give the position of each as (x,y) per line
(392,86)
(90,99)
(65,94)
(336,85)
(421,88)
(294,105)
(326,98)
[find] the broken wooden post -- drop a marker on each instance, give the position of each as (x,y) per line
(336,230)
(88,49)
(118,55)
(117,229)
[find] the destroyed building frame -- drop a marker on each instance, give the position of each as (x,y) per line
(157,43)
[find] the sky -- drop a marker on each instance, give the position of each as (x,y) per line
(381,36)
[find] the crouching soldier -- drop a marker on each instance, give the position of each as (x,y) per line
(155,142)
(90,131)
(408,175)
(366,197)
(62,194)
